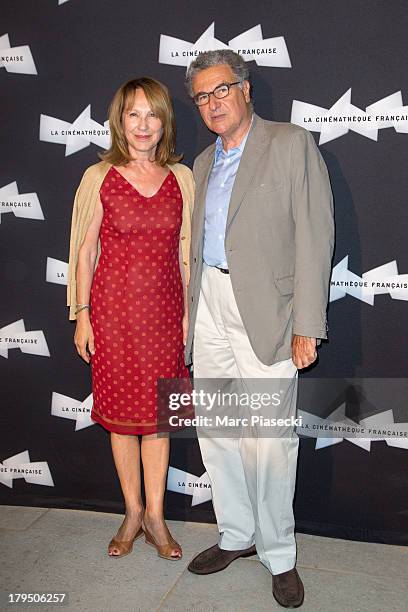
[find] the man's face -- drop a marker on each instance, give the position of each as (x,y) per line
(222,116)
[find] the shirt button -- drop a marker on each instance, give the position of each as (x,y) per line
(220,210)
(222,184)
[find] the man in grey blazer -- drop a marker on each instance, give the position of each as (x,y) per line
(261,249)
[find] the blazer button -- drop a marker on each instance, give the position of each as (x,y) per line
(195,259)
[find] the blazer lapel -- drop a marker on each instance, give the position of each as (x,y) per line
(197,230)
(253,150)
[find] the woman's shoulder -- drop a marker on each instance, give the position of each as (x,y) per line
(181,170)
(183,175)
(96,171)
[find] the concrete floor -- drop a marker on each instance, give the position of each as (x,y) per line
(65,550)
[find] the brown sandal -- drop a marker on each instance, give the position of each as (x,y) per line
(124,546)
(164,550)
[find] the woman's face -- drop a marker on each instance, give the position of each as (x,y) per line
(143,129)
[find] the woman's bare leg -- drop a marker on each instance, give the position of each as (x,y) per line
(126,454)
(155,458)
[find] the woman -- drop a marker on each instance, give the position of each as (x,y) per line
(132,218)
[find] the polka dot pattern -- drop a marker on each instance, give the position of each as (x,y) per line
(136,303)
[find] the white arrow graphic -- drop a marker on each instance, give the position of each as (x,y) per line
(16,59)
(56,271)
(20,466)
(23,205)
(77,135)
(379,427)
(69,408)
(343,116)
(381,280)
(15,336)
(250,44)
(197,486)
(177,52)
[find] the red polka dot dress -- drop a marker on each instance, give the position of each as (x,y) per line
(136,304)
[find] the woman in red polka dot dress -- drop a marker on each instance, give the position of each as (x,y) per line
(130,310)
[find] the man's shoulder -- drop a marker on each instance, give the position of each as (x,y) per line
(205,155)
(281,129)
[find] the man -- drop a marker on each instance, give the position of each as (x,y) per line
(262,242)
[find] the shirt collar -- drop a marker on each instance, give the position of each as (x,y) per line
(219,148)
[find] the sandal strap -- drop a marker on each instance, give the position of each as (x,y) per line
(124,546)
(164,550)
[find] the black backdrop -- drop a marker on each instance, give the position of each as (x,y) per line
(83,50)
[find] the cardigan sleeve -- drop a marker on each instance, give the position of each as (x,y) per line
(185,180)
(74,248)
(84,206)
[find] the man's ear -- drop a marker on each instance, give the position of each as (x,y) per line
(246,88)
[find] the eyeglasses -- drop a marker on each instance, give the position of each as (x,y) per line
(221,91)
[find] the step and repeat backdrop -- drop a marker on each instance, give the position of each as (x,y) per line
(339,69)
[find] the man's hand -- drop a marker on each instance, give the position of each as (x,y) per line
(303,351)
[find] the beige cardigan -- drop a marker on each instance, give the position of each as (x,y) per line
(84,206)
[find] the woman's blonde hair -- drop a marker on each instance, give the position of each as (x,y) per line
(160,102)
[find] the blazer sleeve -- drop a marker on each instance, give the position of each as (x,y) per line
(312,205)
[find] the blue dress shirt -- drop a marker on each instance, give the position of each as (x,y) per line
(220,184)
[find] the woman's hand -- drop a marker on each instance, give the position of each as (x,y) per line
(84,337)
(185,327)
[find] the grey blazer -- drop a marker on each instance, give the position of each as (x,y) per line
(279,238)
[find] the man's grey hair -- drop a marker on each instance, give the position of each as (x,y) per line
(208,59)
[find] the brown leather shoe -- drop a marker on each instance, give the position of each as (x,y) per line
(287,589)
(215,559)
(124,547)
